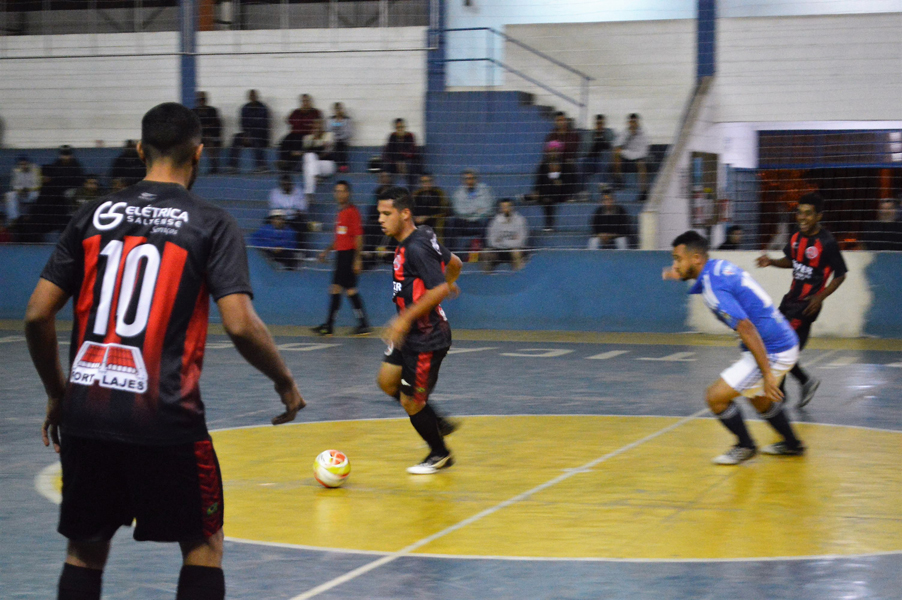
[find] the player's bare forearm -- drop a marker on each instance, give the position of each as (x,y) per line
(752,340)
(40,333)
(817,300)
(452,269)
(426,303)
(833,286)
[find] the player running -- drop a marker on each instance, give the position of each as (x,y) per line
(770,346)
(813,255)
(140,266)
(419,337)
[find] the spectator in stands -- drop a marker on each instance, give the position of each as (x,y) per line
(342,131)
(255,132)
(211,130)
(25,186)
(598,159)
(277,239)
(400,154)
(472,204)
(612,227)
(290,200)
(89,191)
(431,205)
(507,235)
(631,152)
(734,238)
(302,122)
(128,168)
(552,186)
(62,179)
(318,161)
(377,247)
(568,154)
(886,232)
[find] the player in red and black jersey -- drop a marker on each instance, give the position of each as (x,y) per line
(419,337)
(348,245)
(814,256)
(140,266)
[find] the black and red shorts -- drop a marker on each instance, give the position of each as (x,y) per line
(419,371)
(173,493)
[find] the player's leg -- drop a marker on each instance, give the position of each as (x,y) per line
(719,397)
(809,383)
(773,412)
(311,170)
(201,577)
(326,328)
(82,574)
(418,377)
(363,325)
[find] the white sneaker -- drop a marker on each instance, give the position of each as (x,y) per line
(734,456)
(432,464)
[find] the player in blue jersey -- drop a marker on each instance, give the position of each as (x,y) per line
(770,347)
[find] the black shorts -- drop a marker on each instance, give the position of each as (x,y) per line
(419,370)
(344,269)
(174,493)
(793,310)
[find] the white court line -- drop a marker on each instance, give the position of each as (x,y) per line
(820,357)
(489,511)
(12,338)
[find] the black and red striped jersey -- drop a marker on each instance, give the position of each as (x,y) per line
(814,258)
(141,265)
(419,266)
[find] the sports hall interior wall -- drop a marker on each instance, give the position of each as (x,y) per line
(607,291)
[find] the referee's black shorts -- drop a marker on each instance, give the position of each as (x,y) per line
(344,269)
(173,493)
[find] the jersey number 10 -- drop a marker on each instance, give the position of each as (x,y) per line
(113,254)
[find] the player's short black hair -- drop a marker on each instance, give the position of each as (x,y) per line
(693,240)
(813,199)
(170,130)
(399,196)
(634,116)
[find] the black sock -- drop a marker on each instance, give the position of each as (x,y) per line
(732,420)
(334,305)
(800,375)
(776,416)
(200,583)
(357,303)
(79,583)
(426,424)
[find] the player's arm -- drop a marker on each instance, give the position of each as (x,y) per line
(254,342)
(325,251)
(40,332)
(814,304)
(752,340)
(358,254)
(765,261)
(399,326)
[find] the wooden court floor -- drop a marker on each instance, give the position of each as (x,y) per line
(583,472)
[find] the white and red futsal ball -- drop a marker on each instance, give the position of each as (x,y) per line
(331,468)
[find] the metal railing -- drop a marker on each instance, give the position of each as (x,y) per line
(582,103)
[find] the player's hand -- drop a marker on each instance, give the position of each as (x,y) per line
(358,266)
(453,291)
(772,388)
(814,305)
(50,432)
(394,333)
(670,274)
(763,261)
(321,257)
(293,402)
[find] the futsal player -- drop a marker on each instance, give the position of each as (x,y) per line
(140,266)
(348,245)
(419,337)
(770,347)
(814,256)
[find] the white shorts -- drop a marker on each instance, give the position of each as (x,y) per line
(744,376)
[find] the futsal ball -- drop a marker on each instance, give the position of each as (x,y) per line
(331,468)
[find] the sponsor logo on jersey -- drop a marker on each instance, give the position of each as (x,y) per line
(147,196)
(800,271)
(109,215)
(341,230)
(811,252)
(112,366)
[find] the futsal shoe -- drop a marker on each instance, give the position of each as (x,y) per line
(323,330)
(808,390)
(362,330)
(433,464)
(734,456)
(783,449)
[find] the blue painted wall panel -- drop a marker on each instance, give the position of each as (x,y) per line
(884,275)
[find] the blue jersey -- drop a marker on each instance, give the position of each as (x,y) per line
(733,296)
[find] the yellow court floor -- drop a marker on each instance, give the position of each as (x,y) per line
(584,487)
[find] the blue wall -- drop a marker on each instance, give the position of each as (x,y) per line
(565,290)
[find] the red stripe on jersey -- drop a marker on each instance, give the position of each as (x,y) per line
(419,289)
(91,247)
(806,289)
(195,340)
(209,483)
(172,264)
(421,384)
(827,272)
(800,249)
(129,244)
(398,264)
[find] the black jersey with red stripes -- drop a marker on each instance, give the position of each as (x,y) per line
(141,265)
(814,258)
(419,266)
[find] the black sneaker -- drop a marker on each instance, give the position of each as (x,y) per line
(323,329)
(431,465)
(808,391)
(783,449)
(362,330)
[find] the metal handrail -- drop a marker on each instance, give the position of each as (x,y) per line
(583,104)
